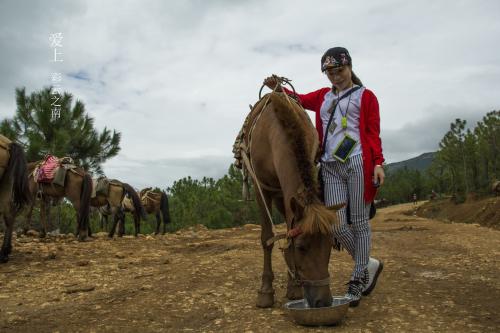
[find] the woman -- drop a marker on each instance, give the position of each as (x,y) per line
(348,125)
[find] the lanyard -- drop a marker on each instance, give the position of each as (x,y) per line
(344,115)
(333,111)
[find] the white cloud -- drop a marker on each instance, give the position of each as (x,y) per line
(176,78)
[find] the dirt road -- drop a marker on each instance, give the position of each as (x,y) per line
(438,278)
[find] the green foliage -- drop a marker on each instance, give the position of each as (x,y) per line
(469,160)
(72,134)
(400,185)
(213,203)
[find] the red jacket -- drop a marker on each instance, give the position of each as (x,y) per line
(369,131)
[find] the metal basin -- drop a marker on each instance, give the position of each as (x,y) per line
(302,314)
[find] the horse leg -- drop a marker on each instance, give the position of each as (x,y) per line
(121,223)
(105,222)
(158,222)
(48,223)
(136,223)
(113,227)
(43,217)
(7,245)
(27,224)
(101,221)
(293,289)
(265,296)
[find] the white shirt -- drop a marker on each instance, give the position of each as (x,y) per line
(350,107)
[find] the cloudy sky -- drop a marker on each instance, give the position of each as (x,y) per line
(176,77)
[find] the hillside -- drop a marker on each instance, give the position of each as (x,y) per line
(421,163)
(485,212)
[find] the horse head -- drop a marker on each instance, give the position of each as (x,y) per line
(309,248)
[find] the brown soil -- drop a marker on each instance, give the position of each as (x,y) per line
(438,277)
(485,212)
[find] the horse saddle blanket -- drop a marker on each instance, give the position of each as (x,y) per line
(53,170)
(100,186)
(47,170)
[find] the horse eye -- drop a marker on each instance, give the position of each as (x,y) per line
(301,247)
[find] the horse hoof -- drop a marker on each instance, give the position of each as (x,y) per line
(265,299)
(3,258)
(294,292)
(42,235)
(81,238)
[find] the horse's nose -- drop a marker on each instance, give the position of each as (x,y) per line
(318,296)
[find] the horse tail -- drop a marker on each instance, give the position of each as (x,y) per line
(139,210)
(318,219)
(17,169)
(164,207)
(85,194)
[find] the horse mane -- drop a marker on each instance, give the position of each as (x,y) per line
(316,218)
(287,112)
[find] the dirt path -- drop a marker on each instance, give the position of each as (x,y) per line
(438,278)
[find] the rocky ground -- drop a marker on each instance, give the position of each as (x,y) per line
(438,277)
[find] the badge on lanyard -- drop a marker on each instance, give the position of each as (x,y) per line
(344,122)
(332,127)
(344,148)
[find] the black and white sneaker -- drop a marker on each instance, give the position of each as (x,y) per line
(354,292)
(371,275)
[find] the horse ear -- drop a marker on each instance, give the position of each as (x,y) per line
(336,207)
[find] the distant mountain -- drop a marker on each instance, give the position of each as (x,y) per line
(420,163)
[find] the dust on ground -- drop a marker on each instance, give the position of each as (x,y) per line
(438,277)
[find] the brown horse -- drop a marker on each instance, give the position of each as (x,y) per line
(282,145)
(14,191)
(77,189)
(154,203)
(111,205)
(495,187)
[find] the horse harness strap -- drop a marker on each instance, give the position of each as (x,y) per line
(150,196)
(288,235)
(249,168)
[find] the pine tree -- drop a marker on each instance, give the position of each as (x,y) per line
(72,133)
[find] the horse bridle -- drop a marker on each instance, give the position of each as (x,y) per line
(292,267)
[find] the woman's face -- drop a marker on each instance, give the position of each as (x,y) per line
(340,77)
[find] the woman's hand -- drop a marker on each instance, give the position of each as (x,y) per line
(272,83)
(378,175)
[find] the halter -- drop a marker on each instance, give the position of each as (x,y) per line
(292,267)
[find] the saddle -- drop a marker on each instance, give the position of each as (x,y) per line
(100,186)
(52,170)
(241,147)
(4,152)
(150,197)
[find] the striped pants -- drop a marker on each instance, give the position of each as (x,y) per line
(344,183)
